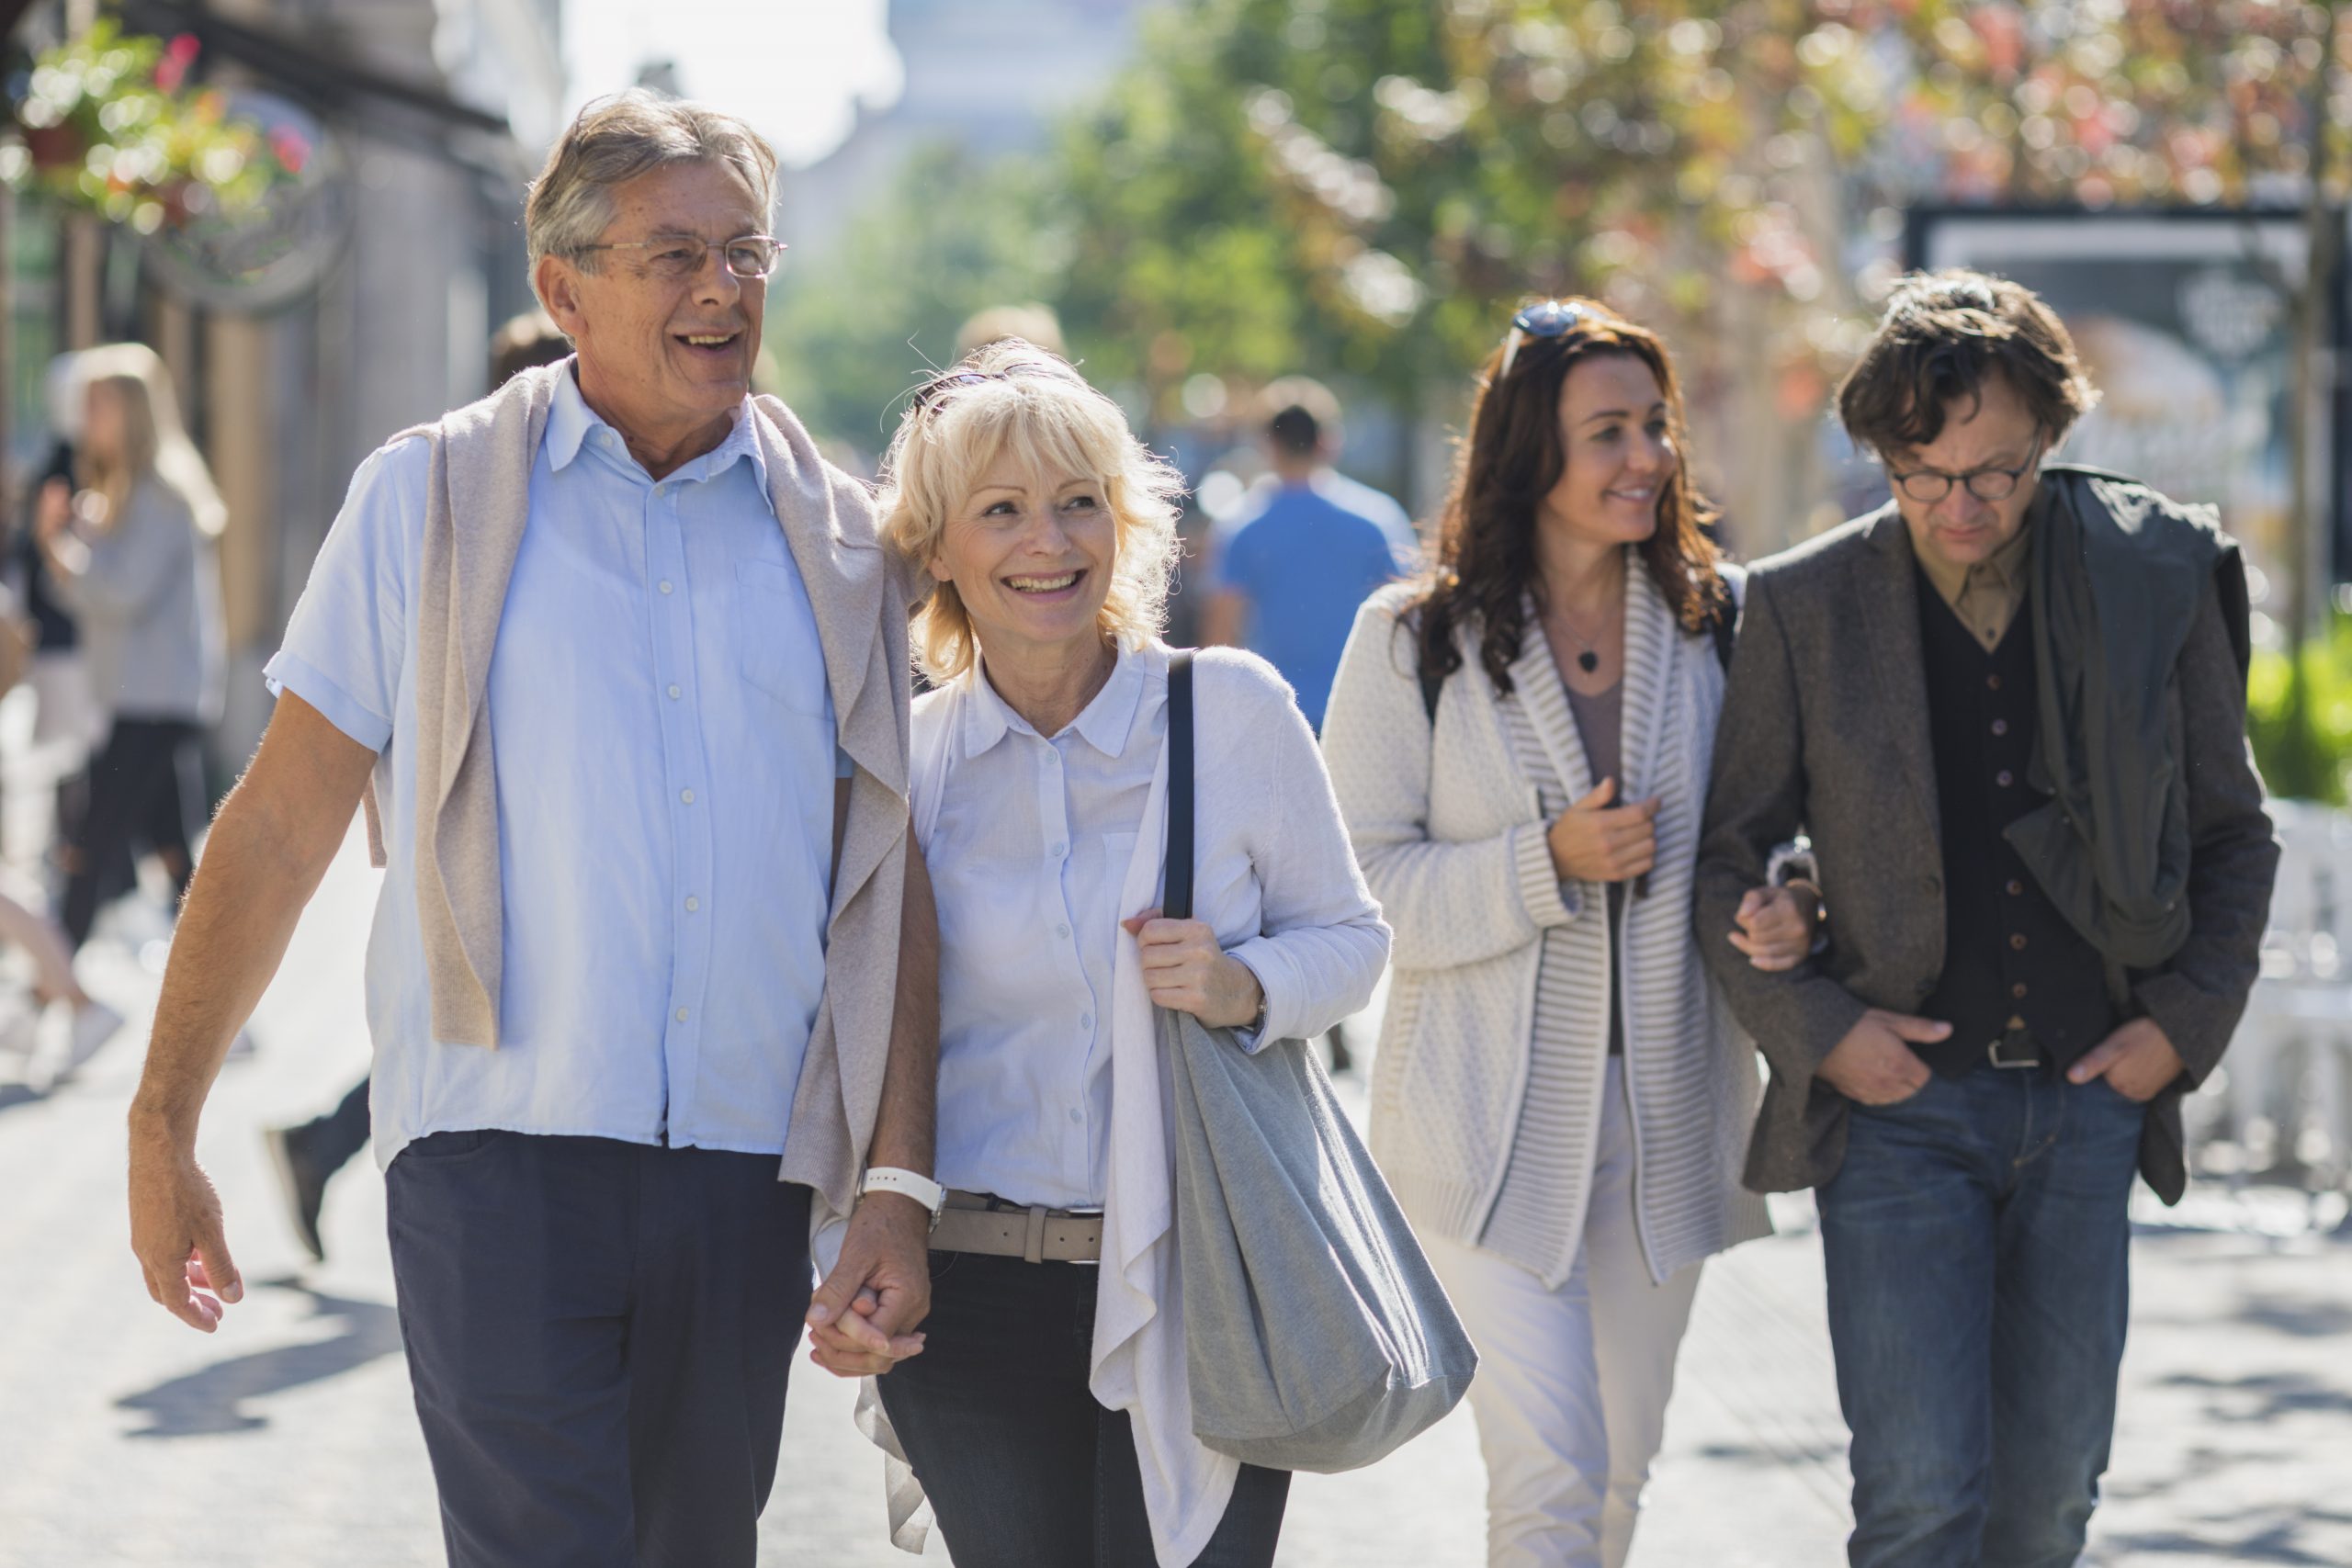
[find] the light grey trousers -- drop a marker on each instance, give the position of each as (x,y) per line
(1572,1385)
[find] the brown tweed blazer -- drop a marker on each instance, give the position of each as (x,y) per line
(1824,732)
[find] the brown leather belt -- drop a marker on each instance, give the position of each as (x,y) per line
(974,1221)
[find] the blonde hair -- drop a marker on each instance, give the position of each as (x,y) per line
(155,446)
(1011,397)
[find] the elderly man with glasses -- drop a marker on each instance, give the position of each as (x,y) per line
(2009,709)
(620,666)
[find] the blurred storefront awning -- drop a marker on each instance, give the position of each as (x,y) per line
(405,107)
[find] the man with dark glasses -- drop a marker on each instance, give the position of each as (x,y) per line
(2009,709)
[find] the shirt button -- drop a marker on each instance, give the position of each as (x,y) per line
(687,796)
(692,904)
(1062,930)
(665,585)
(1086,1020)
(1074,1114)
(675,694)
(1060,850)
(2017,941)
(682,1015)
(2002,778)
(2015,888)
(2017,990)
(2000,726)
(1993,682)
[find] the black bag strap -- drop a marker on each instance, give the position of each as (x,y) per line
(1176,900)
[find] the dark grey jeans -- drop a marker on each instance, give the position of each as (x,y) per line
(599,1334)
(1023,1470)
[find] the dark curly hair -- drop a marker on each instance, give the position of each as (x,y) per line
(1943,336)
(1511,462)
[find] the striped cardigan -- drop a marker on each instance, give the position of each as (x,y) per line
(1451,836)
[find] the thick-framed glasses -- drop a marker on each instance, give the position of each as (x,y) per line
(1545,319)
(676,258)
(1927,486)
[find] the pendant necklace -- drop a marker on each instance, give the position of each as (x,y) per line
(1589,655)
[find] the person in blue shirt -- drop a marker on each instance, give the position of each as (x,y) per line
(1307,549)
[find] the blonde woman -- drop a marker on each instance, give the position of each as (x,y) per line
(1047,1417)
(132,558)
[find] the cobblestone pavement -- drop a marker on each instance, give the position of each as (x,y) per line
(287,1438)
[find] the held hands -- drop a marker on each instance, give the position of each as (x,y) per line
(861,1319)
(2138,1061)
(1186,971)
(176,1234)
(1595,842)
(1874,1065)
(1776,925)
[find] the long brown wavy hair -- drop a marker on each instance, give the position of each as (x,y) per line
(1514,456)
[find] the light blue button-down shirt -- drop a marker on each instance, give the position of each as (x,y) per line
(664,736)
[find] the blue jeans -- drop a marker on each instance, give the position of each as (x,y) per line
(1977,1249)
(1023,1470)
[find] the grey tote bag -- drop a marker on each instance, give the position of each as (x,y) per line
(1317,1337)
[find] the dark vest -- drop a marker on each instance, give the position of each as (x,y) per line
(2010,959)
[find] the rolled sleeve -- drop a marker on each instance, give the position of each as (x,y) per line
(288,671)
(1540,894)
(345,642)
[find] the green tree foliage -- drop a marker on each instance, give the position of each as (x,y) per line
(847,340)
(1364,187)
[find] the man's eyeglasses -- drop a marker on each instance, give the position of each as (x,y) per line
(677,257)
(1545,319)
(1927,486)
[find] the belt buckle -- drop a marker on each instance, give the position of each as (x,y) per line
(1993,1054)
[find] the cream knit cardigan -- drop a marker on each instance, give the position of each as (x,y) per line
(1448,829)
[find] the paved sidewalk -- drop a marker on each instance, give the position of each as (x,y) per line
(287,1438)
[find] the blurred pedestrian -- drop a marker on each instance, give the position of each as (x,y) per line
(307,1156)
(625,593)
(2009,707)
(1306,549)
(94,1022)
(1287,571)
(1032,324)
(132,555)
(1520,741)
(1048,1419)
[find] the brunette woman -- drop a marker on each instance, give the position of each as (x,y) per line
(1520,743)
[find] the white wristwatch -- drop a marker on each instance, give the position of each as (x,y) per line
(907,1184)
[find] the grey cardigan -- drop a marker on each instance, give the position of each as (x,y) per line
(148,607)
(478,499)
(1825,732)
(1451,834)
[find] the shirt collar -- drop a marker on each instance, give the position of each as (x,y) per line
(571,423)
(2003,570)
(1105,723)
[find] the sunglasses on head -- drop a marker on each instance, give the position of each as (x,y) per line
(946,381)
(1545,319)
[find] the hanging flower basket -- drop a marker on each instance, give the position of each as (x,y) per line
(107,124)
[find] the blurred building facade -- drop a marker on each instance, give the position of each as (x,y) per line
(987,79)
(429,117)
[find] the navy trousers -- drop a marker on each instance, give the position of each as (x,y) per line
(1978,1250)
(599,1334)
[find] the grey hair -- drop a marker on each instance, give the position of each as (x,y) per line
(616,139)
